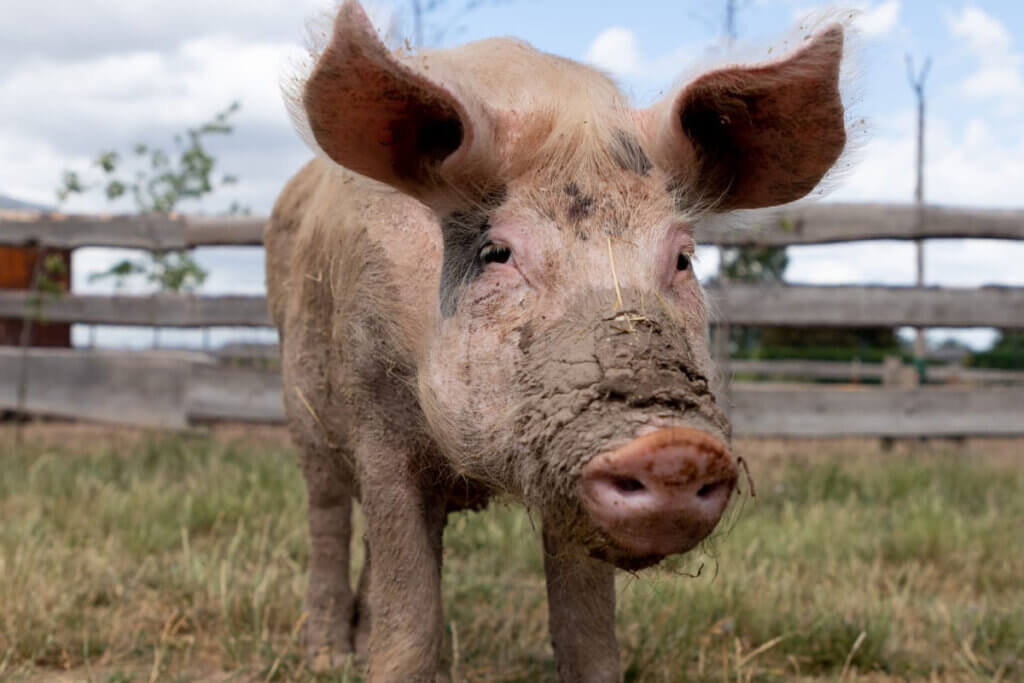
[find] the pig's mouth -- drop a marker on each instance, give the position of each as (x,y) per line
(659,495)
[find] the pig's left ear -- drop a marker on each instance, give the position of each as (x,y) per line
(750,137)
(377,116)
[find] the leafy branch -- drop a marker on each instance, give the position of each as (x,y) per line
(157,181)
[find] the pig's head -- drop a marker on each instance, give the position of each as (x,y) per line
(568,364)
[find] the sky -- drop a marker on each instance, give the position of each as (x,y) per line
(81,76)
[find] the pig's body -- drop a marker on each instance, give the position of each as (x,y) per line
(352,275)
(497,299)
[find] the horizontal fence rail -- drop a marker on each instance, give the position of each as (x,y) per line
(19,228)
(174,390)
(770,410)
(755,305)
(144,389)
(849,306)
(856,370)
(812,223)
(163,310)
(820,223)
(159,389)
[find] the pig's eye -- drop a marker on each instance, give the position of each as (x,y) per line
(682,262)
(495,253)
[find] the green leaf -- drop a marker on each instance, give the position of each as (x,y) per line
(108,161)
(115,189)
(72,183)
(119,272)
(161,180)
(54,265)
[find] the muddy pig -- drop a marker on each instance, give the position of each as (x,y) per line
(483,287)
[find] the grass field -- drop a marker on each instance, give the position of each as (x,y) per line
(132,557)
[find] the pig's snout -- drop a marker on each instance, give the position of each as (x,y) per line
(662,493)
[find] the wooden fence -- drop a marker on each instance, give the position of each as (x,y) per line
(175,389)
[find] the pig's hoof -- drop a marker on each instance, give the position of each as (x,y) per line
(327,659)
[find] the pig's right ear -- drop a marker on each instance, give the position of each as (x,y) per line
(376,116)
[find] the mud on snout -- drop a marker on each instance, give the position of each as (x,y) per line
(627,449)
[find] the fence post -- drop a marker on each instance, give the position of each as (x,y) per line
(720,341)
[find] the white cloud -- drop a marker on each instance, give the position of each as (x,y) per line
(874,20)
(998,74)
(976,164)
(994,81)
(615,50)
(139,89)
(856,263)
(83,29)
(880,20)
(69,111)
(983,33)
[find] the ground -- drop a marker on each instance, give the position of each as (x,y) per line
(127,556)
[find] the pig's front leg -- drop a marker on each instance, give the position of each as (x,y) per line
(404,528)
(581,608)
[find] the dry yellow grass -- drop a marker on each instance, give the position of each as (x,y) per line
(132,556)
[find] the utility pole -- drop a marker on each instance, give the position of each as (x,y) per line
(730,22)
(417,23)
(917,80)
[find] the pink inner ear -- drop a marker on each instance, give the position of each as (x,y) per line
(761,136)
(375,116)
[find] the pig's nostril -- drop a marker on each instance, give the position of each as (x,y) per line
(628,484)
(709,490)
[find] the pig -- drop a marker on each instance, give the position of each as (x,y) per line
(484,287)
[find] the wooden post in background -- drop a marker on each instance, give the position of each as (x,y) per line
(720,340)
(917,84)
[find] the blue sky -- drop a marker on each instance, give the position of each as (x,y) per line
(79,76)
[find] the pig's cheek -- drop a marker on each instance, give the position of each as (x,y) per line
(470,367)
(492,352)
(692,314)
(687,298)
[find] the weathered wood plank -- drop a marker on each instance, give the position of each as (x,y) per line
(741,305)
(101,386)
(800,306)
(812,369)
(224,231)
(233,393)
(953,375)
(127,231)
(796,369)
(811,223)
(806,369)
(71,231)
(774,410)
(167,390)
(245,352)
(163,310)
(823,223)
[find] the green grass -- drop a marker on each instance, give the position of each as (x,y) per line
(177,558)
